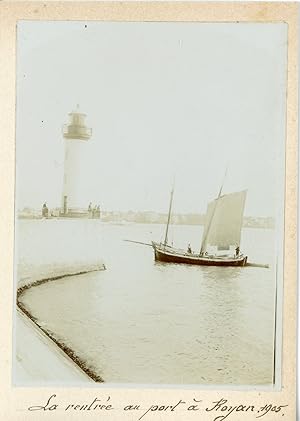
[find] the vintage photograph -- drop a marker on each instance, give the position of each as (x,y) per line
(149,205)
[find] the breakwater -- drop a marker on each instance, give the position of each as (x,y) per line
(66,349)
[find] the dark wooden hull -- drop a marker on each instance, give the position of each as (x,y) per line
(170,255)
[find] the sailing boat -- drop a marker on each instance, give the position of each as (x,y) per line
(221,235)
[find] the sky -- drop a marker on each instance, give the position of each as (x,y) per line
(166,101)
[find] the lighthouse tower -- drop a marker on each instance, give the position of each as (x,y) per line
(76,135)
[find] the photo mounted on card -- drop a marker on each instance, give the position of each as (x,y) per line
(153,259)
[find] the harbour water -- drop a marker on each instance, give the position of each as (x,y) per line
(145,322)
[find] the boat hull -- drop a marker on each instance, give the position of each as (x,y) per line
(172,256)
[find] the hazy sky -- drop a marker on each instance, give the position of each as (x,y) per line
(163,100)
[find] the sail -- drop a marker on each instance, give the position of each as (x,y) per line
(223,222)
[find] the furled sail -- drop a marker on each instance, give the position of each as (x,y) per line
(223,222)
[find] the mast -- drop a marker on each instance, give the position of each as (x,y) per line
(204,240)
(221,188)
(169,217)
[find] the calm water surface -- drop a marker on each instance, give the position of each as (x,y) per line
(146,322)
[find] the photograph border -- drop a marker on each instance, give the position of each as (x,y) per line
(16,400)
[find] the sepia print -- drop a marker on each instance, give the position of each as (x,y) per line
(150,191)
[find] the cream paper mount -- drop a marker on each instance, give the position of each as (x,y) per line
(26,391)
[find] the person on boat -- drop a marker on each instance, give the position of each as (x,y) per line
(189,249)
(237,251)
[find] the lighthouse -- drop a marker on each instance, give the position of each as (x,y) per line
(76,136)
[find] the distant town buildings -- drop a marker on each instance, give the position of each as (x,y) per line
(146,217)
(151,217)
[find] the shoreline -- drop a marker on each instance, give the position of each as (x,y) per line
(69,353)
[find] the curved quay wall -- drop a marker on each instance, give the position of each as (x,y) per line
(68,351)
